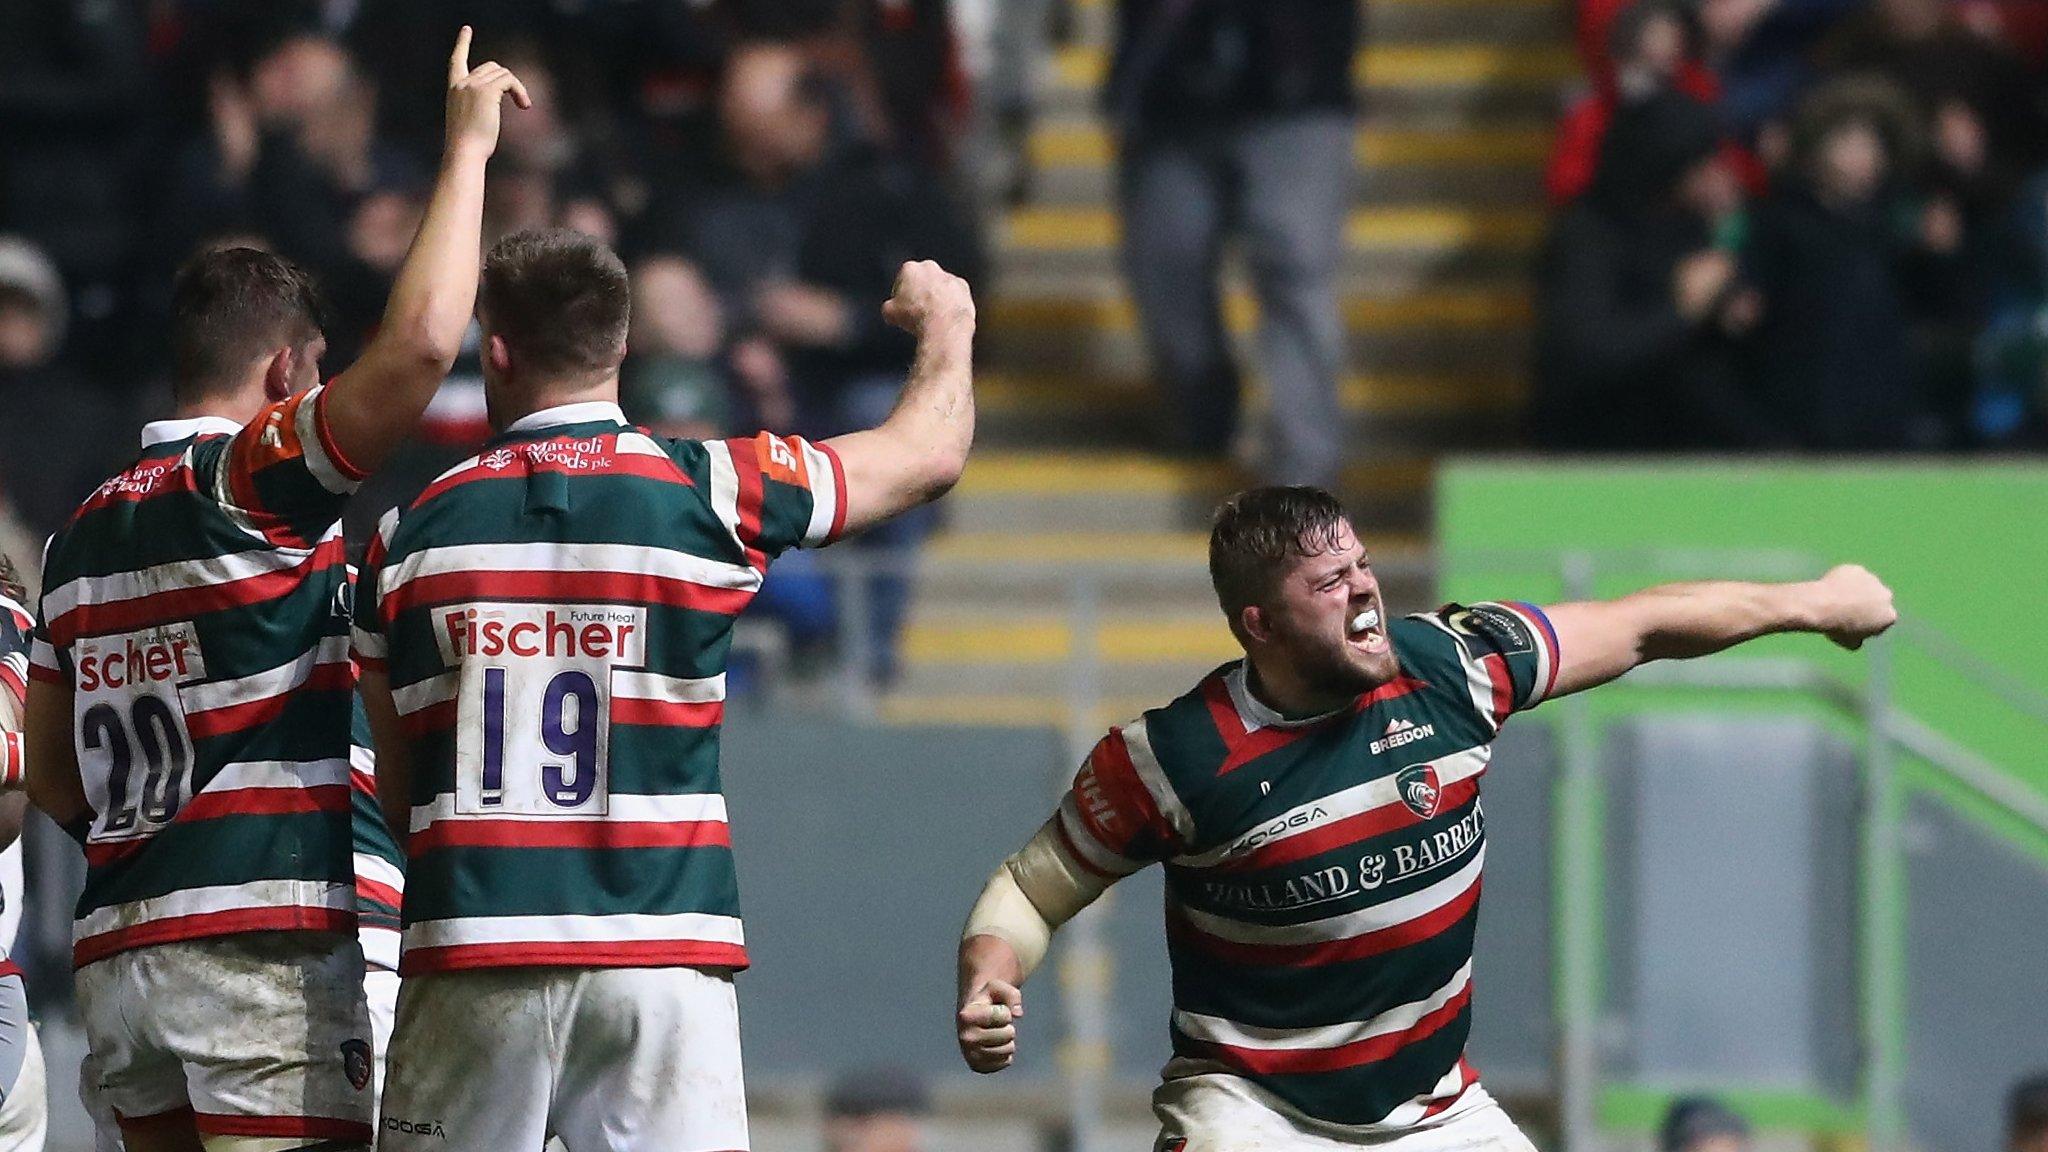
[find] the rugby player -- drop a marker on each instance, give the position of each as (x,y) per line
(24,1107)
(1316,805)
(543,637)
(190,697)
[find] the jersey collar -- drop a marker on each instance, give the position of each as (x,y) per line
(1255,713)
(587,412)
(166,431)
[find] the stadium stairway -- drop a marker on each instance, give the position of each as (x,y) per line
(1459,100)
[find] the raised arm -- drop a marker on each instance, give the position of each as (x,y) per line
(918,453)
(1599,641)
(374,405)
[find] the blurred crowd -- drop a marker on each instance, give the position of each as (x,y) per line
(1799,225)
(764,166)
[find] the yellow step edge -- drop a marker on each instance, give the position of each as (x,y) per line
(1112,475)
(1039,642)
(1476,308)
(1090,146)
(1165,548)
(1419,226)
(1073,547)
(1394,65)
(1378,393)
(1006,711)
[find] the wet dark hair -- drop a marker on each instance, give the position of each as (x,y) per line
(1258,531)
(231,305)
(559,299)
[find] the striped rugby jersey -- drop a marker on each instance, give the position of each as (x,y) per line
(15,628)
(198,606)
(554,616)
(1322,875)
(380,867)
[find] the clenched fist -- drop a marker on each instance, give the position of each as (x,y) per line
(927,296)
(474,96)
(987,1028)
(1854,605)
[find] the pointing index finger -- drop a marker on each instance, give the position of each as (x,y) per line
(458,64)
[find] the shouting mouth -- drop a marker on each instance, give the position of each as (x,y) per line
(1367,631)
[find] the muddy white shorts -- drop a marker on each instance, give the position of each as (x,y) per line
(1222,1113)
(264,1034)
(24,1097)
(380,993)
(608,1059)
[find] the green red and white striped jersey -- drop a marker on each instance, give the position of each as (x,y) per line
(16,626)
(554,616)
(1322,875)
(380,866)
(198,607)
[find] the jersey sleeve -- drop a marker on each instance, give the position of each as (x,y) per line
(17,631)
(1503,654)
(368,641)
(283,470)
(786,492)
(1112,820)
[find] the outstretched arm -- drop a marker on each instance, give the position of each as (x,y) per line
(918,453)
(1599,641)
(1031,894)
(374,405)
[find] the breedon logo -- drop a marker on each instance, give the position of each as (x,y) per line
(1401,732)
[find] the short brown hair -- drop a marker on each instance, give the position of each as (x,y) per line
(231,305)
(560,300)
(1260,529)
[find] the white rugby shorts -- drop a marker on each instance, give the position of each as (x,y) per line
(1224,1113)
(263,1034)
(607,1059)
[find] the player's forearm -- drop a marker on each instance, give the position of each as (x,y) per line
(435,293)
(985,958)
(1025,901)
(1679,621)
(50,763)
(933,420)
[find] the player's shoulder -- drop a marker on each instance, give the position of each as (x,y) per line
(1181,737)
(1457,633)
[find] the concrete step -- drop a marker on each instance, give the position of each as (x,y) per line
(1487,165)
(1470,328)
(1393,244)
(1506,21)
(1466,76)
(1461,413)
(1126,491)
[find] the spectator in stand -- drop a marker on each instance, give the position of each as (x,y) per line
(1834,262)
(1650,50)
(803,227)
(2026,1115)
(1951,70)
(1236,124)
(73,87)
(676,381)
(876,1110)
(1641,313)
(1761,53)
(62,436)
(2010,406)
(1702,1124)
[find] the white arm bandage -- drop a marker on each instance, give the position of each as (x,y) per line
(1033,893)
